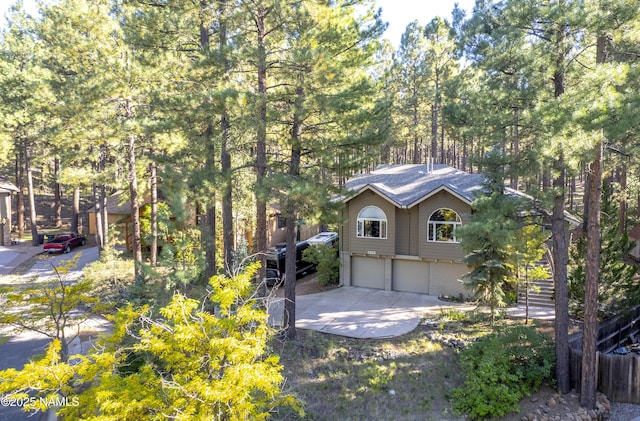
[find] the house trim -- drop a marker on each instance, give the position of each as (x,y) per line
(436,191)
(374,190)
(432,193)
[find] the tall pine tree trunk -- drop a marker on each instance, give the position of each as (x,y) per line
(592,276)
(209,233)
(227,200)
(57,193)
(225,157)
(75,214)
(153,181)
(434,132)
(560,261)
(435,112)
(261,145)
(592,269)
(291,217)
(559,232)
(515,180)
(136,242)
(33,217)
(20,194)
(103,197)
(97,206)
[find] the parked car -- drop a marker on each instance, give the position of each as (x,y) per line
(64,242)
(325,238)
(276,262)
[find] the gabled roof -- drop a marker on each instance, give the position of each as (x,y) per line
(407,185)
(6,186)
(116,205)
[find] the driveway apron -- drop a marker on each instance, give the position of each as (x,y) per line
(360,312)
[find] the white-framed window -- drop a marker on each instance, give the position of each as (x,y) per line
(442,224)
(371,223)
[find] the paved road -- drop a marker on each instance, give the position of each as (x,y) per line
(44,267)
(19,349)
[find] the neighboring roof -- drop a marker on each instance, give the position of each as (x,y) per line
(407,185)
(115,206)
(6,186)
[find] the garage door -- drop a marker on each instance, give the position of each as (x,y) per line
(410,276)
(367,272)
(445,279)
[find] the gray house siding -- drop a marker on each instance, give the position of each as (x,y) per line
(371,246)
(441,251)
(407,223)
(405,260)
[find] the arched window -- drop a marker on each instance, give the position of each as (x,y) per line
(442,226)
(372,223)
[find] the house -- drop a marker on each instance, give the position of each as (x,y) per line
(399,230)
(276,231)
(6,189)
(119,216)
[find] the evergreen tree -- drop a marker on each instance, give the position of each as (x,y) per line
(186,364)
(617,290)
(329,102)
(411,75)
(488,240)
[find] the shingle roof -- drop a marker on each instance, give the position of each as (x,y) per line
(116,205)
(408,185)
(7,186)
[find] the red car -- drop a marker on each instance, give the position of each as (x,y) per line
(64,242)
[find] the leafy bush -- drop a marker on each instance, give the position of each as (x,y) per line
(110,276)
(327,263)
(185,364)
(55,307)
(501,369)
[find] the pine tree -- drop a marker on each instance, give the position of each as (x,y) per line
(328,103)
(488,241)
(617,291)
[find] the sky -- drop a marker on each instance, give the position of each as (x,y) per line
(397,13)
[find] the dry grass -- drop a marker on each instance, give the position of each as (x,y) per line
(405,378)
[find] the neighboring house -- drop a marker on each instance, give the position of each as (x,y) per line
(6,189)
(277,233)
(118,216)
(119,210)
(634,235)
(400,225)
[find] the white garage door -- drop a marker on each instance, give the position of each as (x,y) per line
(410,276)
(367,272)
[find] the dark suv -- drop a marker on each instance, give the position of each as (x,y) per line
(276,264)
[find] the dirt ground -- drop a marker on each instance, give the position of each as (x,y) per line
(307,285)
(545,404)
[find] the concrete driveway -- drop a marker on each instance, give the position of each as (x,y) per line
(360,312)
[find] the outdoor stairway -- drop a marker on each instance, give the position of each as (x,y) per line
(541,291)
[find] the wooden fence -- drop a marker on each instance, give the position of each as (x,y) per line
(618,375)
